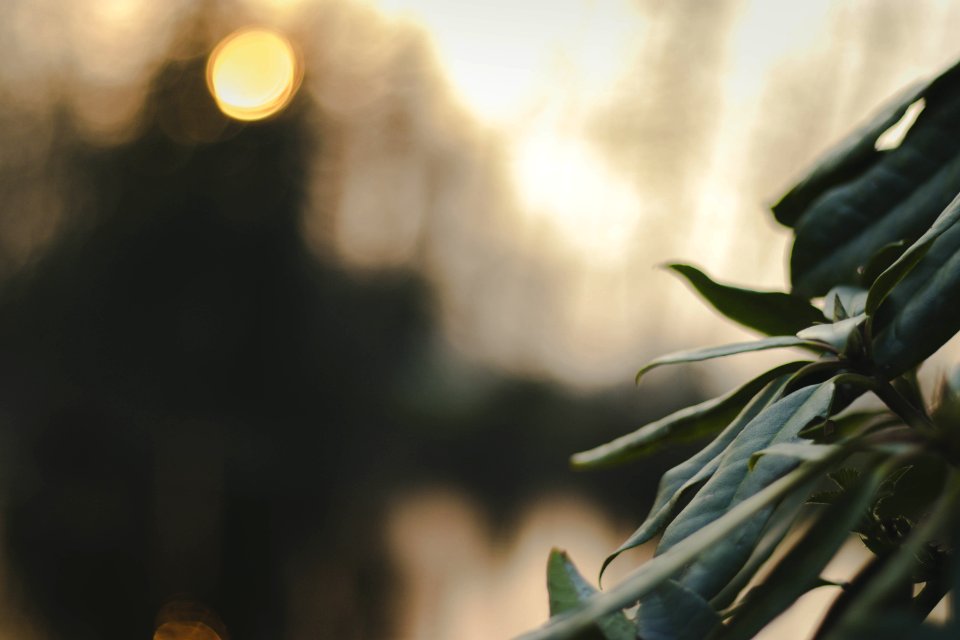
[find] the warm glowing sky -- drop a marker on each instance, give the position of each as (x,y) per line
(535,159)
(633,133)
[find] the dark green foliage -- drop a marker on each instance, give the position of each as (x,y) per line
(687,477)
(876,237)
(770,312)
(860,199)
(687,425)
(673,612)
(799,570)
(697,355)
(568,589)
(857,153)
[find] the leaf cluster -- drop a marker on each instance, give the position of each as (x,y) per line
(789,473)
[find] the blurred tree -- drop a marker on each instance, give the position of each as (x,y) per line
(198,405)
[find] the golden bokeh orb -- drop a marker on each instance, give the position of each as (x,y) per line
(185,631)
(253,74)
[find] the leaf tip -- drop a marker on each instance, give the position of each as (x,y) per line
(603,567)
(580,461)
(558,553)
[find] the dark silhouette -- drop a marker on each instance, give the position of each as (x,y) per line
(197,405)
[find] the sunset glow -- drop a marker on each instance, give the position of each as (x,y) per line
(253,74)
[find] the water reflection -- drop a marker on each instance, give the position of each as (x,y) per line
(460,579)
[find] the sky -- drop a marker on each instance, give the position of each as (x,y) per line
(537,161)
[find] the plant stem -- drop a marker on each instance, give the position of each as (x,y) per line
(896,569)
(911,415)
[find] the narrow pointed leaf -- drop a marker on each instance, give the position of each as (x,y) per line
(835,308)
(848,426)
(664,567)
(896,625)
(881,260)
(672,612)
(697,355)
(836,334)
(679,482)
(848,158)
(733,483)
(852,224)
(857,152)
(799,570)
(568,589)
(686,425)
(852,301)
(896,196)
(770,312)
(780,523)
(887,280)
(796,450)
(813,373)
(825,497)
(898,569)
(954,541)
(920,313)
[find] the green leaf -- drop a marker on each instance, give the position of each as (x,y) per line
(887,280)
(881,260)
(910,492)
(836,334)
(850,225)
(898,569)
(795,450)
(770,312)
(825,497)
(679,482)
(846,160)
(814,373)
(568,589)
(851,589)
(672,612)
(895,625)
(800,568)
(686,425)
(856,153)
(785,514)
(953,539)
(697,355)
(894,196)
(920,315)
(946,405)
(777,423)
(845,477)
(901,613)
(734,483)
(848,426)
(844,301)
(663,567)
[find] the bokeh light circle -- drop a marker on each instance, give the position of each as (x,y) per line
(188,619)
(253,74)
(185,631)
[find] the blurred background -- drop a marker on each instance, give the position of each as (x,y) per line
(296,344)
